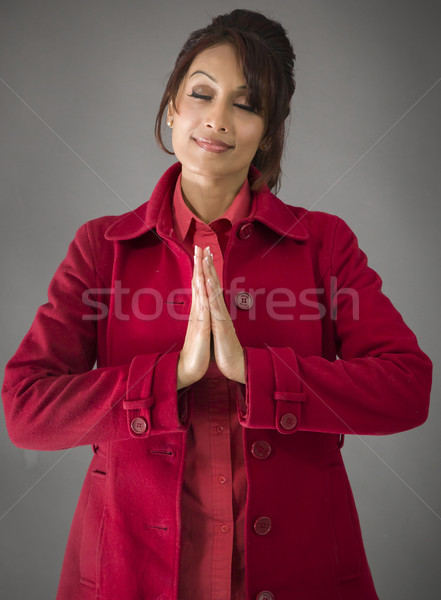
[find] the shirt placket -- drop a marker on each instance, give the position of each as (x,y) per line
(221,472)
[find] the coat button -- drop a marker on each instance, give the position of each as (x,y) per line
(138,425)
(265,596)
(245,231)
(288,421)
(262,525)
(261,449)
(244,300)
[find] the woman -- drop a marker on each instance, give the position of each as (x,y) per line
(215,314)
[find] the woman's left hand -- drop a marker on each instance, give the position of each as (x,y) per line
(228,352)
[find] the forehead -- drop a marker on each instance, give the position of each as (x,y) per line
(221,61)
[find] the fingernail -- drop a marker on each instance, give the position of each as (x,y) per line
(208,248)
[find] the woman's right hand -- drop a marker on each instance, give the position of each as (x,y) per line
(195,354)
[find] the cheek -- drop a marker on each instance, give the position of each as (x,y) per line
(188,115)
(251,136)
(184,125)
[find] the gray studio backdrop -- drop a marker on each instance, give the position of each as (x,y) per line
(79,89)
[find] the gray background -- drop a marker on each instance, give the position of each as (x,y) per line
(80,85)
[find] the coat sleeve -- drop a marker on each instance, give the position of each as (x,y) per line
(379,381)
(53,396)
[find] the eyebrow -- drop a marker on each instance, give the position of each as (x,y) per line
(241,87)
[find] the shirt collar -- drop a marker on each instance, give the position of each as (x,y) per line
(183,216)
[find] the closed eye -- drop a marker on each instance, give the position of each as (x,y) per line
(200,96)
(204,97)
(245,107)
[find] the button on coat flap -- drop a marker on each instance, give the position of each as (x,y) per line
(138,425)
(288,421)
(288,394)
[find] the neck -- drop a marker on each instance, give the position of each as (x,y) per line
(208,198)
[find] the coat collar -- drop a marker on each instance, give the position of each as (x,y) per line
(156,213)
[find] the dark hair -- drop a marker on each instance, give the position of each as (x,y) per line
(267,59)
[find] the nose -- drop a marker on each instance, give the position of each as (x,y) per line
(217,118)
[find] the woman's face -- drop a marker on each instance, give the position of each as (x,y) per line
(215,133)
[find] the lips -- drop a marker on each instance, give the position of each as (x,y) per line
(211,145)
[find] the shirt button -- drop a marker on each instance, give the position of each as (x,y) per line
(245,231)
(244,300)
(222,479)
(261,449)
(265,596)
(219,429)
(138,425)
(224,528)
(262,525)
(288,421)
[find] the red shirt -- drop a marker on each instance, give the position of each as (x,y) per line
(215,485)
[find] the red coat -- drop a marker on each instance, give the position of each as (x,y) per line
(300,294)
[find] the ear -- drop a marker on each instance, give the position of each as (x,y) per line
(170,111)
(265,144)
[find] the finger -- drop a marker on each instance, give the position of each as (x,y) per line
(194,309)
(202,299)
(215,297)
(197,284)
(202,279)
(209,268)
